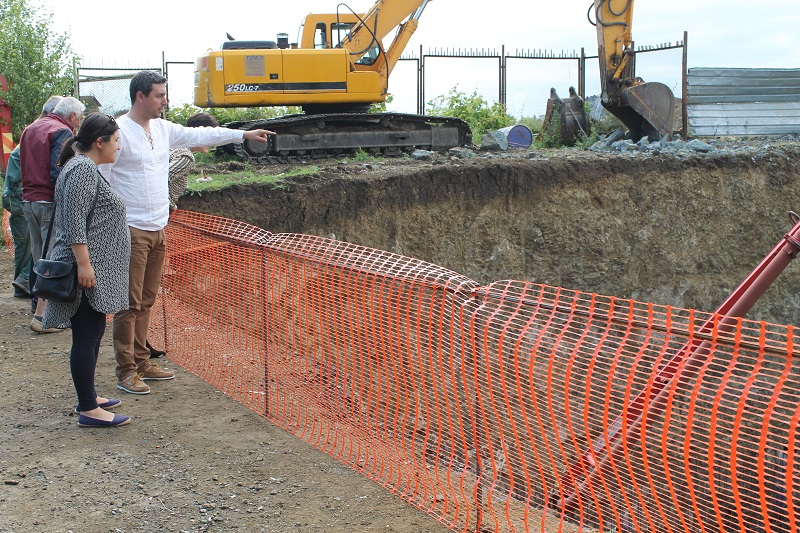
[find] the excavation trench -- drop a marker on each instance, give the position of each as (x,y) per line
(679,229)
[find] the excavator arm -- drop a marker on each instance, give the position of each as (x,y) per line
(383,18)
(645,108)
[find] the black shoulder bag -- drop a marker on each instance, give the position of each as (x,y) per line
(58,280)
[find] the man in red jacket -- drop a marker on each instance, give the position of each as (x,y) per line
(39,148)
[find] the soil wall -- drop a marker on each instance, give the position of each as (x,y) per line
(678,230)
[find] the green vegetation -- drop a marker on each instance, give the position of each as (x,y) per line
(473,109)
(181,114)
(199,183)
(224,115)
(362,156)
(484,117)
(36,61)
(381,106)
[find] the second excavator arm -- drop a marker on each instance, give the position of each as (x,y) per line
(645,108)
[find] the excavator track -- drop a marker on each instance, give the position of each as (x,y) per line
(307,137)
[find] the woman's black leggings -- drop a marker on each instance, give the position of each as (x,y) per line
(88,327)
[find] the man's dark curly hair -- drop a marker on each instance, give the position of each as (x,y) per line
(143,82)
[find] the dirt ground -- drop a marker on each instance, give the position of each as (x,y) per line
(191,460)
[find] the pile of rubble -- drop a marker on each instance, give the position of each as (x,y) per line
(494,145)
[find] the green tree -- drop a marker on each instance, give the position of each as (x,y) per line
(36,61)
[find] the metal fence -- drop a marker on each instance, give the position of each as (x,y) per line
(106,89)
(520,80)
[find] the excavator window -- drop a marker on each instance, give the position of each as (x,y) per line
(339,30)
(370,57)
(320,36)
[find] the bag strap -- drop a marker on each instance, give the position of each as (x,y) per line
(88,218)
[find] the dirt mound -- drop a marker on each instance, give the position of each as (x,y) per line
(671,225)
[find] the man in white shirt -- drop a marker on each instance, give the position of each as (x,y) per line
(140,177)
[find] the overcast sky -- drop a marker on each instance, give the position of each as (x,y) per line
(722,33)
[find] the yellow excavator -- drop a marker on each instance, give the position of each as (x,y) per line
(337,70)
(647,109)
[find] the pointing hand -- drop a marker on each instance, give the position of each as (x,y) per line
(258,135)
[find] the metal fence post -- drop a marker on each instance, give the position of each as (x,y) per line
(503,76)
(685,88)
(421,83)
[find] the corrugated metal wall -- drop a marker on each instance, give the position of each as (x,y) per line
(738,101)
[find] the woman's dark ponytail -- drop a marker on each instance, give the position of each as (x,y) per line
(95,126)
(67,151)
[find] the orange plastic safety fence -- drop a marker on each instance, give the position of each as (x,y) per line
(8,239)
(510,407)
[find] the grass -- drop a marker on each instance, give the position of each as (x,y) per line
(220,181)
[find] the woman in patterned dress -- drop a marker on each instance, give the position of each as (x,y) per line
(98,240)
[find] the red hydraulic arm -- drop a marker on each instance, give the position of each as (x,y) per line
(652,401)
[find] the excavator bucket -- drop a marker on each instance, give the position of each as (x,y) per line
(573,122)
(647,110)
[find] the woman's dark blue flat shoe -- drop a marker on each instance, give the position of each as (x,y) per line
(89,422)
(112,403)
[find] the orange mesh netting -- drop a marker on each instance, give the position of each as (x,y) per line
(8,239)
(509,407)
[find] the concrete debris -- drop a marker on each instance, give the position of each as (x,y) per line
(461,153)
(422,155)
(494,141)
(699,146)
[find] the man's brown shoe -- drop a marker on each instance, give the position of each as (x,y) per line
(133,384)
(153,372)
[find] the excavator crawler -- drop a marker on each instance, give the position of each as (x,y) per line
(647,109)
(332,134)
(337,70)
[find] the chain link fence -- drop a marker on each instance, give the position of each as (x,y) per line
(106,89)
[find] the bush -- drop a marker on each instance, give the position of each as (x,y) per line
(481,116)
(380,107)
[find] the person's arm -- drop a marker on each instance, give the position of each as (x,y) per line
(181,136)
(86,277)
(13,178)
(180,163)
(56,145)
